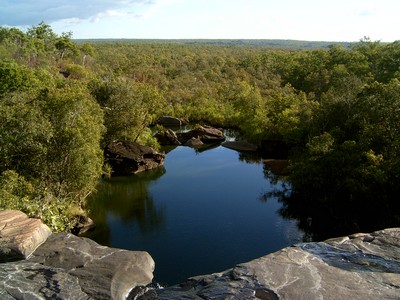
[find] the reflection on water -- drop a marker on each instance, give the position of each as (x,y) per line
(325,213)
(128,200)
(199,214)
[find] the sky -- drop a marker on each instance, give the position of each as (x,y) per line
(311,20)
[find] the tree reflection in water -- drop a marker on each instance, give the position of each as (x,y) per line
(129,199)
(324,213)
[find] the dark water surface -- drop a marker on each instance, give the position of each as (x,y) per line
(201,213)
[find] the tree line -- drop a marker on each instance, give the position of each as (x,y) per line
(62,102)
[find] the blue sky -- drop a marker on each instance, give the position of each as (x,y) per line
(317,20)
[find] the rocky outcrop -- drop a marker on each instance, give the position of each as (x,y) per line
(360,266)
(127,158)
(206,134)
(194,143)
(241,146)
(69,267)
(171,121)
(167,137)
(20,235)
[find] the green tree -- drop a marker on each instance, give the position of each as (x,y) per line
(65,46)
(129,107)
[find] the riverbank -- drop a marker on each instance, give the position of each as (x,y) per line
(359,266)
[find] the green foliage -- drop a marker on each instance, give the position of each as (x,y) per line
(129,108)
(19,194)
(13,77)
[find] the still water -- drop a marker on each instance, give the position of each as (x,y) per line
(203,212)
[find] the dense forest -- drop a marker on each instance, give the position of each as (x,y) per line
(61,102)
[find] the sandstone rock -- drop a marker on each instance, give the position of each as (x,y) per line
(83,224)
(26,280)
(167,137)
(241,146)
(194,142)
(357,267)
(206,134)
(20,235)
(127,158)
(171,121)
(70,267)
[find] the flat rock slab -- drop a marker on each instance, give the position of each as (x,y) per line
(20,235)
(71,267)
(128,158)
(241,146)
(360,266)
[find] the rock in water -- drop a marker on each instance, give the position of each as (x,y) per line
(241,146)
(167,137)
(127,158)
(206,134)
(20,235)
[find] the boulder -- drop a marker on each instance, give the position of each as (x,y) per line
(71,267)
(20,235)
(194,142)
(127,158)
(360,266)
(171,121)
(241,146)
(206,134)
(167,137)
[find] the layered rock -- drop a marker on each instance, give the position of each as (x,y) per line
(20,235)
(167,137)
(241,146)
(127,158)
(206,134)
(360,266)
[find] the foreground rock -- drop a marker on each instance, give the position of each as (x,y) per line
(361,266)
(127,158)
(69,267)
(206,134)
(20,235)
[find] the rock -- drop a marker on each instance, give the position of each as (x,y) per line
(171,121)
(20,235)
(83,224)
(361,267)
(167,137)
(241,146)
(127,158)
(206,134)
(70,267)
(194,142)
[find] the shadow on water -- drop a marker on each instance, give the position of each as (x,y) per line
(324,212)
